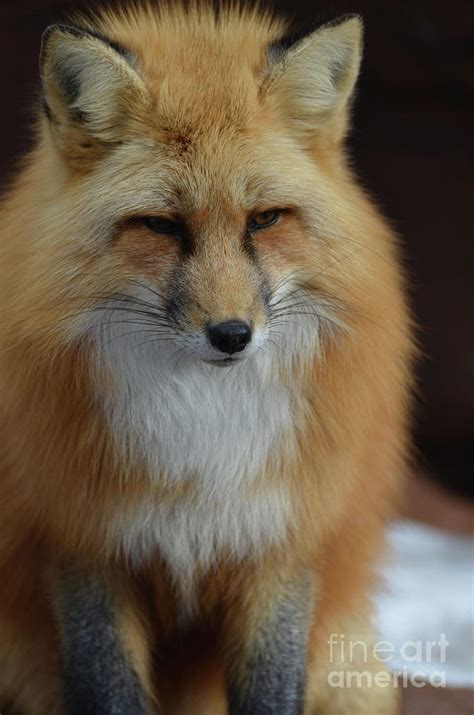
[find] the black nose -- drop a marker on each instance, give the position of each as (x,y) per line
(230,337)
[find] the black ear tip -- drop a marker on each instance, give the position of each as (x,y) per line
(81,33)
(64,30)
(49,32)
(45,38)
(341,19)
(351,23)
(301,31)
(46,35)
(355,19)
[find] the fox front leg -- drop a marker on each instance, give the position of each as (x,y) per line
(267,644)
(102,673)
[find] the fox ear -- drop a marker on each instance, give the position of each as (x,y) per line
(89,85)
(312,82)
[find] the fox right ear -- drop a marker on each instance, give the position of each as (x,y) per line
(90,84)
(312,82)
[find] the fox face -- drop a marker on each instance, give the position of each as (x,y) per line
(219,272)
(199,183)
(209,269)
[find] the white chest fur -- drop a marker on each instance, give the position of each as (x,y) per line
(218,427)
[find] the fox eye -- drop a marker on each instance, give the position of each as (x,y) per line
(263,219)
(163,225)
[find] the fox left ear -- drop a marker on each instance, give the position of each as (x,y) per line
(90,86)
(312,82)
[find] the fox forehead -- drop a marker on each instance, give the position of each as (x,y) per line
(224,178)
(204,69)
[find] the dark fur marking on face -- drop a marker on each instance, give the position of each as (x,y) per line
(187,243)
(97,677)
(275,674)
(179,141)
(252,253)
(249,246)
(177,297)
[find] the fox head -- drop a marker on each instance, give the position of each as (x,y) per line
(195,197)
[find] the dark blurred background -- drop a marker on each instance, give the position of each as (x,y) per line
(412,146)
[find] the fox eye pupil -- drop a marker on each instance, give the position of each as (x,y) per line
(163,226)
(263,219)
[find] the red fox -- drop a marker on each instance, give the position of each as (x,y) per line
(205,374)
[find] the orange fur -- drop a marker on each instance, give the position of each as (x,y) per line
(202,113)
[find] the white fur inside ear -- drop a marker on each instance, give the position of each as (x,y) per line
(85,77)
(314,80)
(101,83)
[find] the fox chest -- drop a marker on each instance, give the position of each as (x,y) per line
(216,443)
